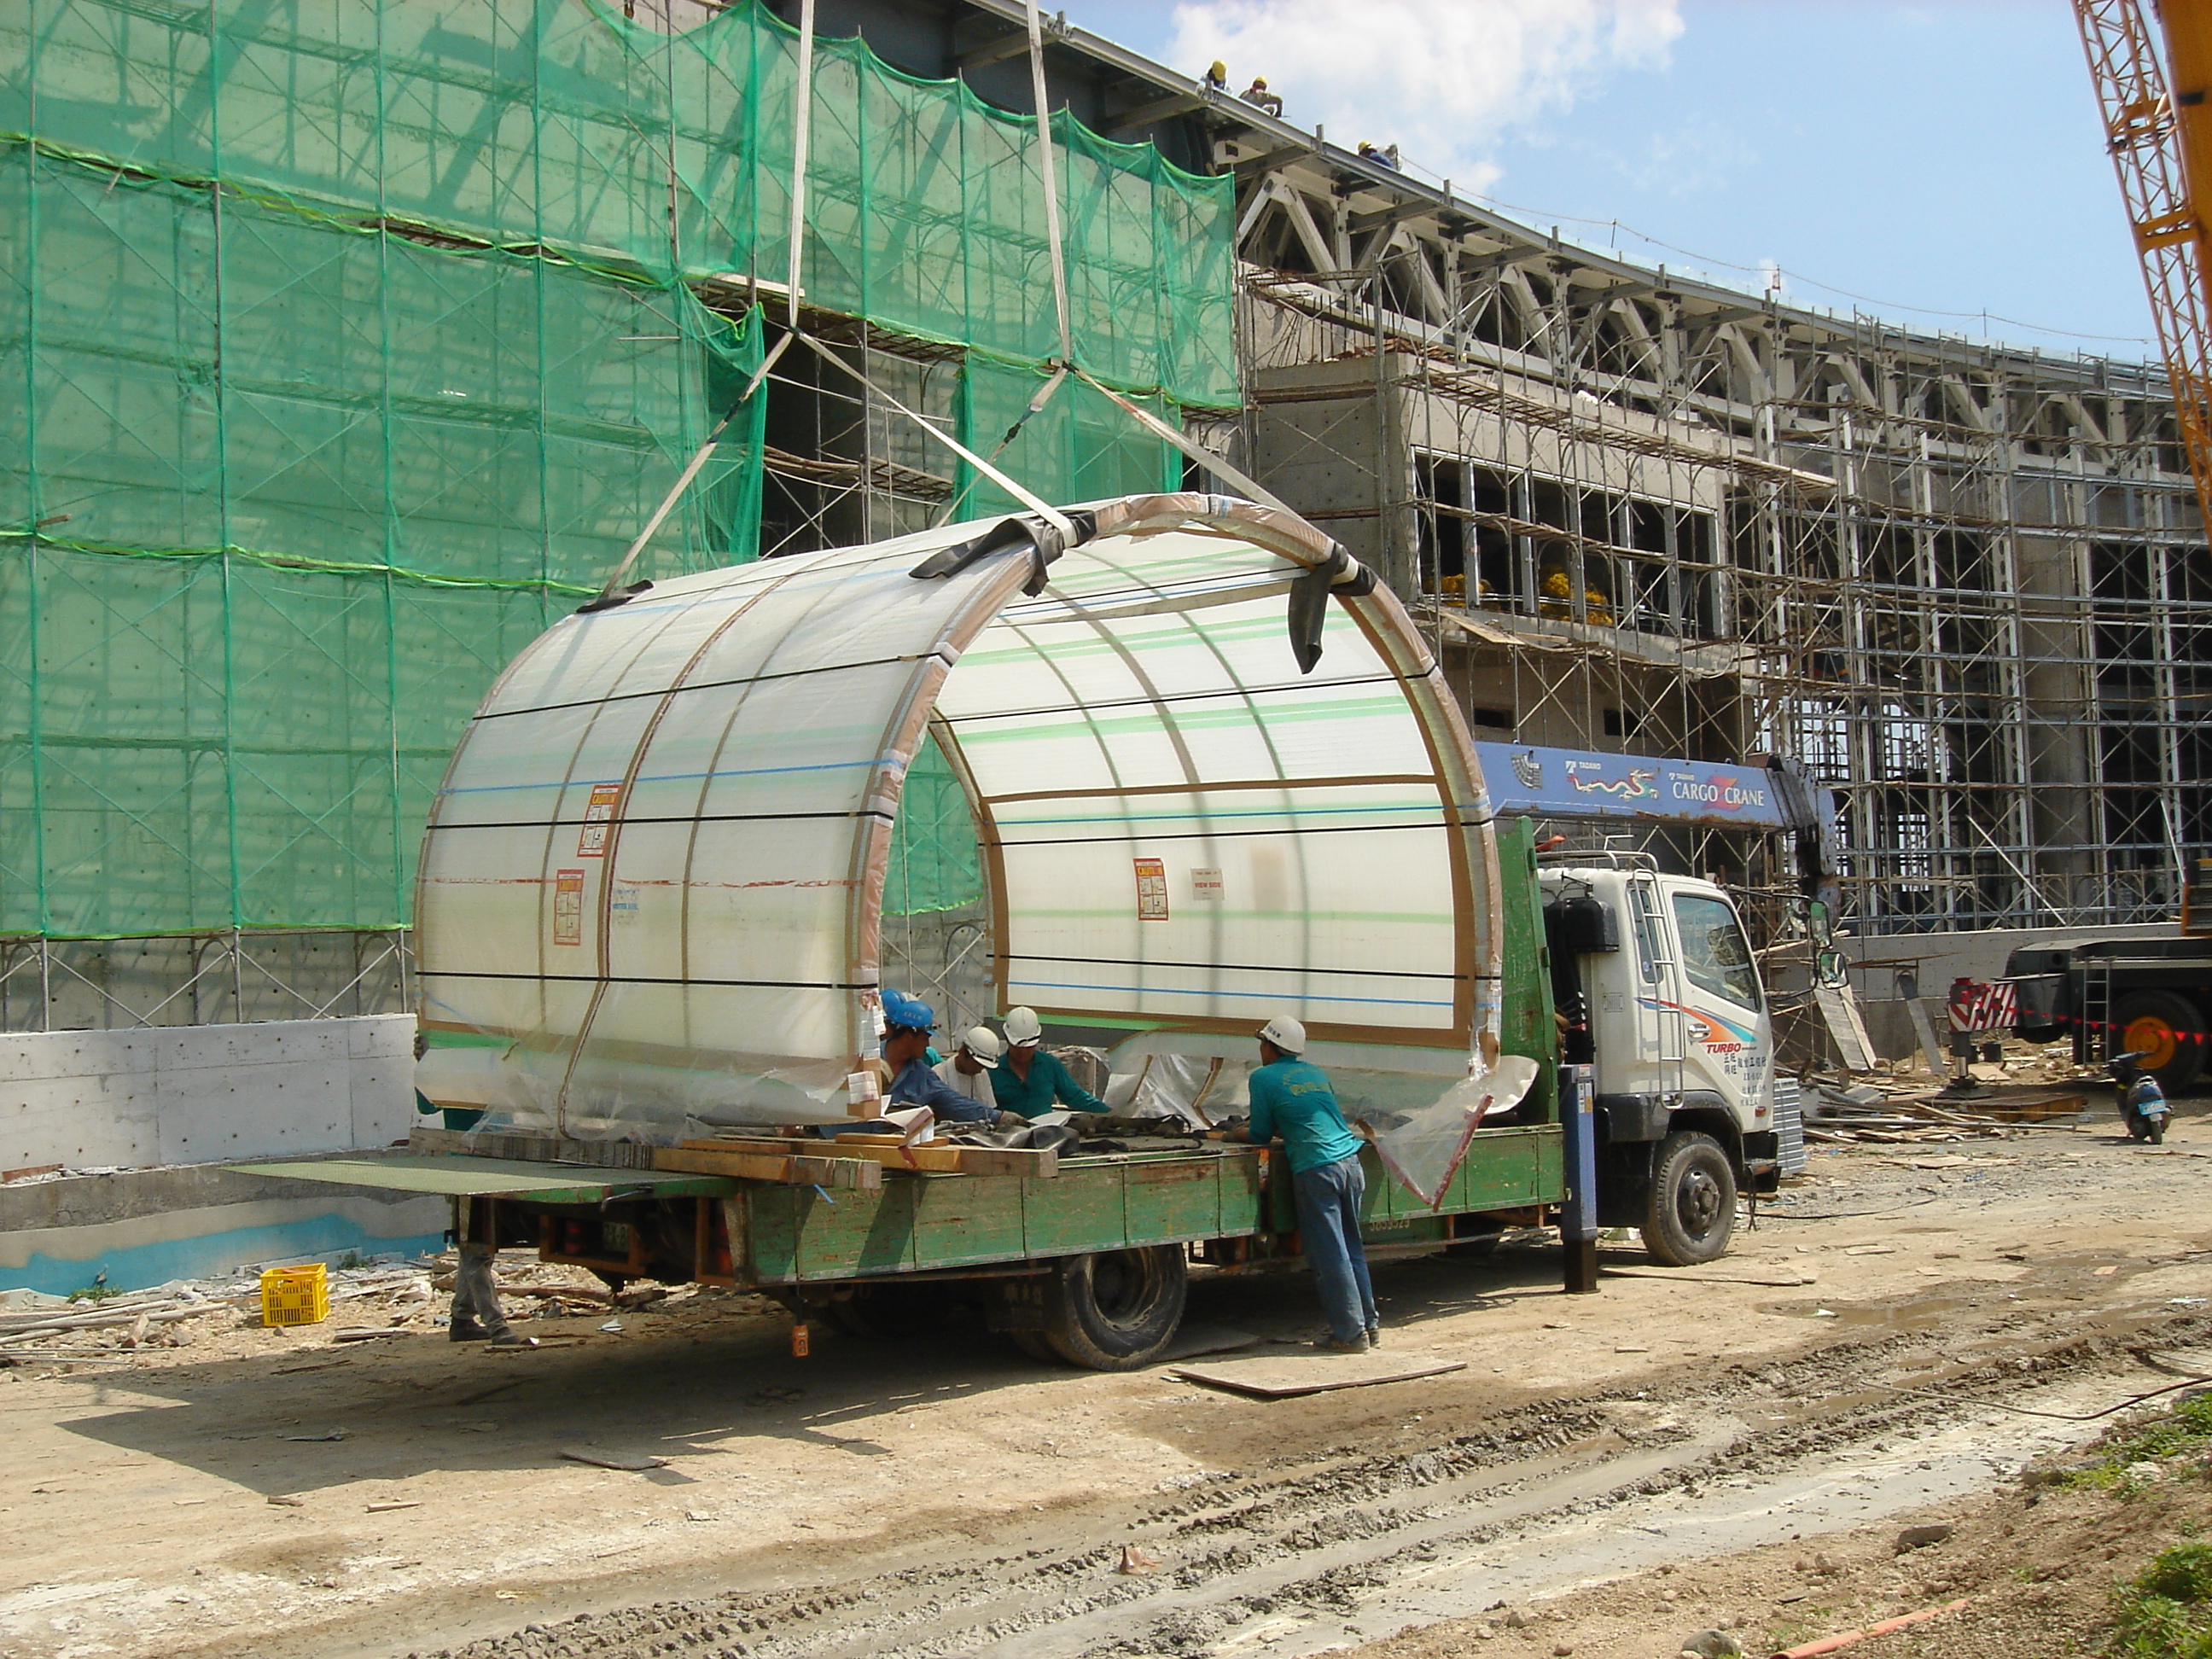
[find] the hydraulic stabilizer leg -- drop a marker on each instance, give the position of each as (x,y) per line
(1578,1213)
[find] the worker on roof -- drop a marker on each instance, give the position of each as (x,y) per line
(1258,97)
(1292,1098)
(907,1022)
(1217,78)
(969,1068)
(1029,1081)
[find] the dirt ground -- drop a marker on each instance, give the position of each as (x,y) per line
(1607,1475)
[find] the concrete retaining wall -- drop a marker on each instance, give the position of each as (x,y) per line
(144,1227)
(199,1093)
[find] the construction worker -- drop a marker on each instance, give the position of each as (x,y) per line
(1260,98)
(907,1022)
(1029,1081)
(1293,1099)
(1217,78)
(969,1068)
(477,1315)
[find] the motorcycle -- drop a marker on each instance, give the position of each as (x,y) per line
(2143,1109)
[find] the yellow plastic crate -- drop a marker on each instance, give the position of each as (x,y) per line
(295,1296)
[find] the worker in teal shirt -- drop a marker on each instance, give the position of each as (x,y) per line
(1029,1081)
(1293,1099)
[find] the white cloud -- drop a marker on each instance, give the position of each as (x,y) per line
(1442,78)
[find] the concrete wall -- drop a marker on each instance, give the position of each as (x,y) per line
(199,1094)
(145,1227)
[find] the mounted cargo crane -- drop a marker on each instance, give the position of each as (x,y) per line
(2148,996)
(2160,135)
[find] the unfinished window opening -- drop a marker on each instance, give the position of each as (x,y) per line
(814,453)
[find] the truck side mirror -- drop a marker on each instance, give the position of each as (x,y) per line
(1581,927)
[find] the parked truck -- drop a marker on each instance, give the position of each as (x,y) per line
(652,935)
(2151,997)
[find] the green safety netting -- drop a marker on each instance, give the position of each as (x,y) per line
(558,123)
(933,864)
(282,488)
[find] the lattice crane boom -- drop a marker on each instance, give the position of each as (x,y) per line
(2159,132)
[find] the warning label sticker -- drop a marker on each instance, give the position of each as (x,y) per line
(568,907)
(1152,890)
(598,817)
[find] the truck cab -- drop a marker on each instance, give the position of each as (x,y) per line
(1659,994)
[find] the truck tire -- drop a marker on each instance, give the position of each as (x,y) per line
(2169,1028)
(1117,1309)
(1690,1214)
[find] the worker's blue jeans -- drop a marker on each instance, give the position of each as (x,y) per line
(1328,1223)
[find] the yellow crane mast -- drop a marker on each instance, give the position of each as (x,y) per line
(2160,133)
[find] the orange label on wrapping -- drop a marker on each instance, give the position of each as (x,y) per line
(1152,890)
(568,907)
(599,816)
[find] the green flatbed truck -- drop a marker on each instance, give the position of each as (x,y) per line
(1088,1265)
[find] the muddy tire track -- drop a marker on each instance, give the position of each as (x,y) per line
(1326,1528)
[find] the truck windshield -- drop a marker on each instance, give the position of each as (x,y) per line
(1715,954)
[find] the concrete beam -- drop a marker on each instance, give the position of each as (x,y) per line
(1011,46)
(1158,110)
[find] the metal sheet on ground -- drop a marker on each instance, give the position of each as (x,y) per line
(462,1176)
(1321,1373)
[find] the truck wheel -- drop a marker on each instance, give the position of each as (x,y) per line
(2167,1031)
(1691,1213)
(1115,1311)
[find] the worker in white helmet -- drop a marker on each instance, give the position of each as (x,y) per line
(1029,1082)
(969,1068)
(1291,1097)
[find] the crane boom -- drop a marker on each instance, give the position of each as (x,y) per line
(2161,141)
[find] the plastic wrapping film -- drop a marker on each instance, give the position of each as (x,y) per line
(652,885)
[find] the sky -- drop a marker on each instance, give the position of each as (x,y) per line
(1940,165)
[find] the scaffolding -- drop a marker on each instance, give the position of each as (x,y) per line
(1966,585)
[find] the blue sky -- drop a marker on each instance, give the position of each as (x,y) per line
(1946,156)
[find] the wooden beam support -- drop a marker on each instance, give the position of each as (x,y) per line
(778,1165)
(887,1152)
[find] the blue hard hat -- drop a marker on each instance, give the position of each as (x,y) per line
(900,1009)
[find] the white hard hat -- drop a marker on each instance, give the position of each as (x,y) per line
(984,1043)
(1285,1034)
(1024,1028)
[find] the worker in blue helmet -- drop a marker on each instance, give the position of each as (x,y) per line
(907,1022)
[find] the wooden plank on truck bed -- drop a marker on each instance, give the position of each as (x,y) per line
(888,1151)
(784,1168)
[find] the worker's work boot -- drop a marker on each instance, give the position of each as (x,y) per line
(1374,1336)
(505,1337)
(465,1329)
(1334,1343)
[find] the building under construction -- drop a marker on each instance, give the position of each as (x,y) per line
(346,347)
